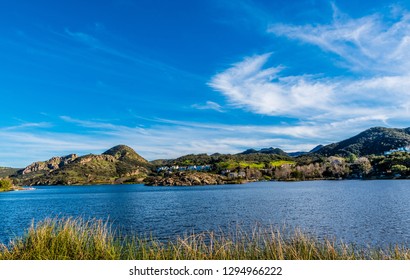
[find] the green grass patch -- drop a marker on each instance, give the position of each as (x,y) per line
(255,165)
(228,164)
(242,164)
(278,163)
(78,239)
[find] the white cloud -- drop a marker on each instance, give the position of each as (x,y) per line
(170,138)
(376,49)
(209,105)
(261,90)
(23,148)
(371,43)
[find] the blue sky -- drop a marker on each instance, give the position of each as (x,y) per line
(175,77)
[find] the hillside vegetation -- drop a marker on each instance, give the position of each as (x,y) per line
(375,141)
(7,171)
(120,164)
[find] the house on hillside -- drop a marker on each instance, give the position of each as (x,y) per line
(184,168)
(235,175)
(405,149)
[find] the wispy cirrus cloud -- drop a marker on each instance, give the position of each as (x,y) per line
(249,85)
(83,38)
(209,105)
(100,45)
(377,43)
(24,147)
(248,15)
(29,125)
(185,137)
(375,48)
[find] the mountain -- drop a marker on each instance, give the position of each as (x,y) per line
(271,151)
(316,149)
(120,164)
(296,154)
(7,171)
(125,153)
(301,153)
(375,140)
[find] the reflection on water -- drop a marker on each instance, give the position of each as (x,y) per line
(363,212)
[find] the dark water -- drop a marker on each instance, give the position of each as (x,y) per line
(363,212)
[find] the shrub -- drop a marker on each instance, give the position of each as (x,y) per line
(6,184)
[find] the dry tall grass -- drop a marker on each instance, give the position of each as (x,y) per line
(79,239)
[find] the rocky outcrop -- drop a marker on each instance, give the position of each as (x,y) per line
(187,179)
(88,158)
(49,165)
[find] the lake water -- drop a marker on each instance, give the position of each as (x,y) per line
(363,212)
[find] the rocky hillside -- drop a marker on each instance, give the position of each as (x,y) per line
(375,140)
(187,179)
(120,164)
(52,164)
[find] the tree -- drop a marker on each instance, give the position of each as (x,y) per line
(336,167)
(399,169)
(363,164)
(352,158)
(6,184)
(283,172)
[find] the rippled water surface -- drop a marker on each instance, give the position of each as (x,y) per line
(363,212)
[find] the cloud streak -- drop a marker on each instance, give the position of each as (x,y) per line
(372,43)
(209,105)
(98,45)
(83,38)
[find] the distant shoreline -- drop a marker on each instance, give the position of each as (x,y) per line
(243,182)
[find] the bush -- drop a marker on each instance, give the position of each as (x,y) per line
(6,184)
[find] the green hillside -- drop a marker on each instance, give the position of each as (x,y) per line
(375,140)
(7,171)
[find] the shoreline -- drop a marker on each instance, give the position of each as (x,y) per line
(237,182)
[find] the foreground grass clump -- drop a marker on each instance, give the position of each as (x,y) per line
(64,239)
(79,239)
